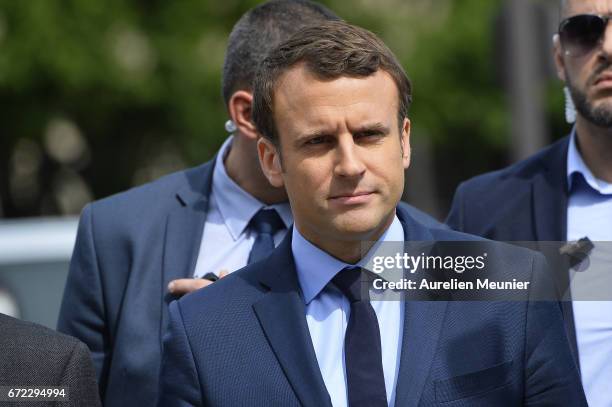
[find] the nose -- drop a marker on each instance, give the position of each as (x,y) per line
(606,41)
(349,161)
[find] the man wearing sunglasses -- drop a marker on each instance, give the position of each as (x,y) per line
(563,193)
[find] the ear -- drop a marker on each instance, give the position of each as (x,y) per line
(270,161)
(240,109)
(405,140)
(558,55)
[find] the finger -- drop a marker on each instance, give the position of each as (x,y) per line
(184,286)
(223,273)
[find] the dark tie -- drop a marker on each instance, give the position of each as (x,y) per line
(362,349)
(265,224)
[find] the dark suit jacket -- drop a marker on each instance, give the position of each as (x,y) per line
(129,247)
(524,202)
(32,355)
(245,341)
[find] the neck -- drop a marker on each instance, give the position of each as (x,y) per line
(242,166)
(349,249)
(595,145)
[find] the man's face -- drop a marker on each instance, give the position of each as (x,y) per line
(589,76)
(342,152)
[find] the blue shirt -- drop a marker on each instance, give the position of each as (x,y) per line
(328,311)
(589,213)
(226,240)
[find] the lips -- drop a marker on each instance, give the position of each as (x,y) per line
(604,78)
(352,198)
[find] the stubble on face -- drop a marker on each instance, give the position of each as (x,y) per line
(600,114)
(595,108)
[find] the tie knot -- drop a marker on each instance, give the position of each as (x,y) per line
(266,221)
(352,282)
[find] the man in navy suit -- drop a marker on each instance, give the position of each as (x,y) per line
(563,193)
(295,328)
(140,249)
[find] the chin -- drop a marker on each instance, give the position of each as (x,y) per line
(357,226)
(604,107)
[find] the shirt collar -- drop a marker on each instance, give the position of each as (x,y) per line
(315,268)
(576,165)
(235,205)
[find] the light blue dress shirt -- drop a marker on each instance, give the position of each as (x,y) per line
(328,311)
(589,213)
(226,240)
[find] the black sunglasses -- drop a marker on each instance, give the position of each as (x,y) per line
(581,33)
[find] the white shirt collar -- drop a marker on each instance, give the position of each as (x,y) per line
(576,165)
(235,205)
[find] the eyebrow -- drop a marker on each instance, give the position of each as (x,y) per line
(377,127)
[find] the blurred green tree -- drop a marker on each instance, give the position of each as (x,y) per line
(100,96)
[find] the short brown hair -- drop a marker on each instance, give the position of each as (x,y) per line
(329,50)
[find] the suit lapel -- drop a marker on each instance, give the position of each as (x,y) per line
(549,209)
(184,228)
(422,326)
(550,200)
(281,313)
(550,195)
(550,219)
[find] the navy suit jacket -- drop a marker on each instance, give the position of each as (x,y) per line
(245,341)
(129,247)
(526,201)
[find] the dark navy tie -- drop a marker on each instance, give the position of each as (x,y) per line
(362,349)
(265,224)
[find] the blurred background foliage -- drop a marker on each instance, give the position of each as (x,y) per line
(99,96)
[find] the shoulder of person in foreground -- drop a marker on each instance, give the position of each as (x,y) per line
(206,323)
(33,355)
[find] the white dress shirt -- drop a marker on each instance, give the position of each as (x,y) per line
(227,240)
(328,311)
(589,213)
